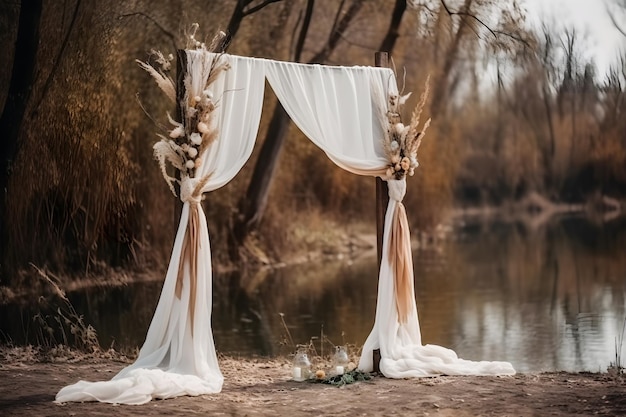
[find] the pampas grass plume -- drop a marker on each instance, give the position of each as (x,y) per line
(164,82)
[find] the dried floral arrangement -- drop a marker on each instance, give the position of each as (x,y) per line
(186,142)
(401,142)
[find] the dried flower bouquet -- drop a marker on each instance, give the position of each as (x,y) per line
(185,144)
(401,142)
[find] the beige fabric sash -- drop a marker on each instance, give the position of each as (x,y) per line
(191,192)
(189,256)
(401,261)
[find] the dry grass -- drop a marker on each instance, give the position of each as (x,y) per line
(57,323)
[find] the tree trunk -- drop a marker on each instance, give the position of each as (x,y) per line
(548,155)
(393,30)
(252,206)
(234,23)
(442,90)
(237,17)
(20,88)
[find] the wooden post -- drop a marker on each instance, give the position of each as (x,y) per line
(181,71)
(381,59)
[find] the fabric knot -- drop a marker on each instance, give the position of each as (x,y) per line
(397,189)
(187,190)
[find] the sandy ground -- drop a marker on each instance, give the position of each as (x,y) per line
(263,388)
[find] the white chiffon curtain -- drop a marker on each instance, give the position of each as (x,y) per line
(178,356)
(335,107)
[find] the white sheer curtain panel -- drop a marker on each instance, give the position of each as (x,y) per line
(399,340)
(178,356)
(333,107)
(336,108)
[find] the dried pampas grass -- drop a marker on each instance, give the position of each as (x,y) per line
(164,153)
(188,140)
(165,83)
(401,142)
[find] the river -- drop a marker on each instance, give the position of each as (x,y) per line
(548,297)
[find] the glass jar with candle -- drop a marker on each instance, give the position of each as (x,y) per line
(301,370)
(340,360)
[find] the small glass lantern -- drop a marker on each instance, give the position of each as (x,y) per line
(340,360)
(301,370)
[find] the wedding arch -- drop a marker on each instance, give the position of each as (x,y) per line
(352,114)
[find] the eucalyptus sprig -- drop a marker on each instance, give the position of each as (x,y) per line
(346,378)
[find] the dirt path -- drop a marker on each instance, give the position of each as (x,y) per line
(263,388)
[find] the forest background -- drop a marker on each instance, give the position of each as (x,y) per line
(517,112)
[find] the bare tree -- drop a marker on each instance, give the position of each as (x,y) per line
(252,205)
(617,13)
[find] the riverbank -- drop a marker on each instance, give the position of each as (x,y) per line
(262,387)
(319,239)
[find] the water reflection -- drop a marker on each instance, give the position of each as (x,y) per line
(550,299)
(543,298)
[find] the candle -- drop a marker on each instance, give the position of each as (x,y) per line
(297,373)
(339,370)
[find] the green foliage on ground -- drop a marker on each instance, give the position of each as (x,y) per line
(347,378)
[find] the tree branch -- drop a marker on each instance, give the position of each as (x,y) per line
(239,13)
(615,23)
(463,13)
(392,30)
(306,22)
(166,32)
(494,32)
(258,7)
(336,21)
(336,33)
(57,61)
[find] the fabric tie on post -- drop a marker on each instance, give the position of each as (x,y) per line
(399,254)
(190,193)
(397,189)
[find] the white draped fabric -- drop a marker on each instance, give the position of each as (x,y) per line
(401,350)
(178,356)
(336,108)
(333,108)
